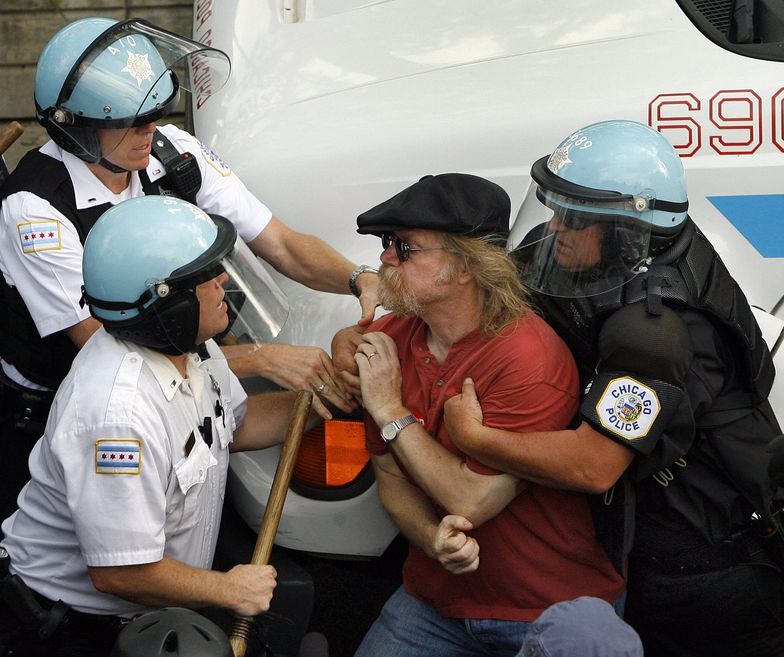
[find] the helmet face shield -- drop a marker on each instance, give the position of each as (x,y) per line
(585,225)
(574,246)
(257,307)
(130,76)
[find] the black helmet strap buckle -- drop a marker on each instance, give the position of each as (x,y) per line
(60,116)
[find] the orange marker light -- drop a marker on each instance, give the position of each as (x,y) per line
(332,454)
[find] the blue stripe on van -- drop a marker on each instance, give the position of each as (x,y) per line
(759,218)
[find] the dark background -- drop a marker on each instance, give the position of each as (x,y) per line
(346,594)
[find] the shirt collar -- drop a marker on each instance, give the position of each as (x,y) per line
(418,342)
(167,375)
(88,190)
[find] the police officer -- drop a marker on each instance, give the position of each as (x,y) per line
(125,497)
(100,88)
(675,421)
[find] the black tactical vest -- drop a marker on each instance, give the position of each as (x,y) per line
(46,361)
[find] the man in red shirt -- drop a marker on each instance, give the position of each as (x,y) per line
(459,311)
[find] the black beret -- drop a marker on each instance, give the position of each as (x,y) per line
(449,202)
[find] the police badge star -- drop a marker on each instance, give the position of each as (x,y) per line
(628,408)
(138,67)
(559,158)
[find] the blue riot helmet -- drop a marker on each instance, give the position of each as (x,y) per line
(100,73)
(171,632)
(596,206)
(145,257)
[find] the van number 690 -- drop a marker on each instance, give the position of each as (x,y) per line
(736,114)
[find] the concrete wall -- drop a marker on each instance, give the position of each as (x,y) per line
(26,26)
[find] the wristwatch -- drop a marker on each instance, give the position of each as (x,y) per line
(391,429)
(352,280)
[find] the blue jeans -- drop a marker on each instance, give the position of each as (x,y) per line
(410,628)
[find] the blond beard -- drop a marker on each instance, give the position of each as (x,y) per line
(395,296)
(393,293)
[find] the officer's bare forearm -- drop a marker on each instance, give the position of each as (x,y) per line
(317,265)
(303,258)
(580,459)
(167,582)
(267,421)
(243,359)
(83,331)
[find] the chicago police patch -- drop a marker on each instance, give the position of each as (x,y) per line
(628,408)
(214,161)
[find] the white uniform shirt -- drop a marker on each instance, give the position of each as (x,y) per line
(122,475)
(49,274)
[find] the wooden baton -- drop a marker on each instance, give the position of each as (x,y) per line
(9,135)
(269,523)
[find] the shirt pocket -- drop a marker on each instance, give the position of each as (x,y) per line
(188,505)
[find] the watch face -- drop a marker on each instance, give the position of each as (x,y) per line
(389,431)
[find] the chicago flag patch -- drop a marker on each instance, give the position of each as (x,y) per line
(628,408)
(118,456)
(39,236)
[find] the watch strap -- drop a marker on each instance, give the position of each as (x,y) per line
(352,280)
(399,424)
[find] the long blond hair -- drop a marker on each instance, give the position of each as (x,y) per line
(503,298)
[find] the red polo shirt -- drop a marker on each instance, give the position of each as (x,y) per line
(542,548)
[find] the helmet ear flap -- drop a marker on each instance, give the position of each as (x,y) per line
(169,325)
(629,244)
(81,142)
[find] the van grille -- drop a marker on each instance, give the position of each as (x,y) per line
(717,12)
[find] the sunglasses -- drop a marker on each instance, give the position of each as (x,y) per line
(403,249)
(576,220)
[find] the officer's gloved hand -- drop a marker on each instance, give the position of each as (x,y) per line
(776,463)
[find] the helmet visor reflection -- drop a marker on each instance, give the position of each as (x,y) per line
(131,57)
(576,248)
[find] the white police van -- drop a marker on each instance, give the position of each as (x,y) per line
(334,105)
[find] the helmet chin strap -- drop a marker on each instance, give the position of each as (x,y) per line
(111,167)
